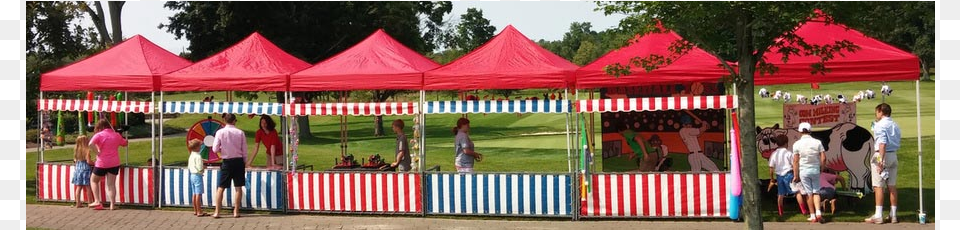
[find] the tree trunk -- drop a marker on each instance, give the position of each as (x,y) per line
(115,7)
(99,22)
(924,70)
(303,126)
(378,126)
(748,145)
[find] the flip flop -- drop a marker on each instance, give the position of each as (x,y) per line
(98,207)
(91,205)
(203,214)
(236,216)
(215,216)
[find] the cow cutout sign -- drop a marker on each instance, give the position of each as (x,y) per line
(848,148)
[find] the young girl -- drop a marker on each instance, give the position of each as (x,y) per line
(81,169)
(267,134)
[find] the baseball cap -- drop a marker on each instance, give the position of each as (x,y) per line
(804,125)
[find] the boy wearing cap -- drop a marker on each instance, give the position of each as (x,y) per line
(808,157)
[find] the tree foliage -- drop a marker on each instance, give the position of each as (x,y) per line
(472,31)
(55,37)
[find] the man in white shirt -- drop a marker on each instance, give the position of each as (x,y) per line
(883,164)
(808,157)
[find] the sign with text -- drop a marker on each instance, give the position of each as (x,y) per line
(822,115)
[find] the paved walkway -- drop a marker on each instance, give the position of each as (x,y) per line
(65,217)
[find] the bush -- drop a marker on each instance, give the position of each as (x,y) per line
(33,136)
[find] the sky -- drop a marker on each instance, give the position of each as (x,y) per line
(536,20)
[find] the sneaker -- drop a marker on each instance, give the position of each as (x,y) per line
(811,219)
(892,219)
(875,220)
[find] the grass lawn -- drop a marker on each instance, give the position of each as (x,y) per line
(535,143)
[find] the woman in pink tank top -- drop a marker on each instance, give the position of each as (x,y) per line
(107,143)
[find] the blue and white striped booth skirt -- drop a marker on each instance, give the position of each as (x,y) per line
(499,194)
(264,189)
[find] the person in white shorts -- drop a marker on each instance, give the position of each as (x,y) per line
(883,163)
(808,157)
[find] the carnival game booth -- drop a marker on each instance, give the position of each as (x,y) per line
(253,65)
(643,106)
(509,60)
(848,144)
(131,66)
(379,62)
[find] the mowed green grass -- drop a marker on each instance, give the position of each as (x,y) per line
(536,143)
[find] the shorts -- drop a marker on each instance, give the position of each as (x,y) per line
(232,169)
(783,184)
(828,193)
(278,159)
(103,171)
(890,165)
(810,181)
(464,169)
(196,184)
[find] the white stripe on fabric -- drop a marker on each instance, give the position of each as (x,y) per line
(627,200)
(702,194)
(716,194)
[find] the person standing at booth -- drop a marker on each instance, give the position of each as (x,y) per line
(402,162)
(808,158)
(691,138)
(231,143)
(465,154)
(268,136)
(107,143)
(883,164)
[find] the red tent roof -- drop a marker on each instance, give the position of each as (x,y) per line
(694,66)
(508,61)
(132,65)
(875,61)
(253,64)
(377,62)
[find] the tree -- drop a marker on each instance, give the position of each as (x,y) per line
(99,20)
(311,31)
(472,31)
(579,33)
(733,31)
(586,53)
(54,38)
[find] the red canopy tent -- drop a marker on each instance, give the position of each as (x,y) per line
(694,66)
(509,60)
(253,64)
(133,65)
(377,62)
(875,61)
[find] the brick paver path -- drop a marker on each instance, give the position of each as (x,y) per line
(65,217)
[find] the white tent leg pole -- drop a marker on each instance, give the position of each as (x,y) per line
(567,122)
(153,131)
(160,144)
(126,149)
(40,128)
(286,136)
(423,135)
(919,149)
